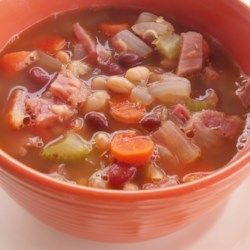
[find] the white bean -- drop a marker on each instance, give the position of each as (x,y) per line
(130,187)
(119,85)
(138,74)
(102,141)
(97,101)
(63,56)
(99,83)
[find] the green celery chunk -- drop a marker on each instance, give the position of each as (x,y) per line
(169,46)
(69,148)
(209,102)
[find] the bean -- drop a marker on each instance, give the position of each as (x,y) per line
(102,141)
(119,85)
(151,122)
(129,60)
(138,74)
(63,57)
(112,69)
(99,83)
(120,173)
(39,76)
(96,121)
(97,101)
(130,187)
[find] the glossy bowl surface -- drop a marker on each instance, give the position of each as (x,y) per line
(115,216)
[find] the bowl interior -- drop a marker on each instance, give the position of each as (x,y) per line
(227,21)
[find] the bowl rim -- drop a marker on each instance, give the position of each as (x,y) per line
(22,172)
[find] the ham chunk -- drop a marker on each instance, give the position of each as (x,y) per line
(44,112)
(191,57)
(181,112)
(228,127)
(88,44)
(214,132)
(69,89)
(244,93)
(15,113)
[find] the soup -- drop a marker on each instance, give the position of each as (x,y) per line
(121,99)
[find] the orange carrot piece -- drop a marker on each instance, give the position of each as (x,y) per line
(16,61)
(124,110)
(111,29)
(51,44)
(129,148)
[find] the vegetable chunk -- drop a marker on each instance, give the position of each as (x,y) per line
(124,110)
(130,148)
(170,136)
(68,148)
(15,112)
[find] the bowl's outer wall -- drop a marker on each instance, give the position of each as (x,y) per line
(106,219)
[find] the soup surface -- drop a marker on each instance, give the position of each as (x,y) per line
(121,99)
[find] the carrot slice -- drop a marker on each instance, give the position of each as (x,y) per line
(124,110)
(129,148)
(16,61)
(111,29)
(51,44)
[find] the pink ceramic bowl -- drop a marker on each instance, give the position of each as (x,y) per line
(119,216)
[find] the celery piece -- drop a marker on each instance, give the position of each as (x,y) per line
(69,148)
(209,101)
(169,46)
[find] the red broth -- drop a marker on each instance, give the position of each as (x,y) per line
(156,141)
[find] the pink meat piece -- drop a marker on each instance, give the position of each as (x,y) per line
(210,74)
(15,112)
(69,89)
(45,112)
(181,112)
(191,57)
(87,42)
(221,124)
(244,94)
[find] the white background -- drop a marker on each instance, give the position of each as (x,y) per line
(227,228)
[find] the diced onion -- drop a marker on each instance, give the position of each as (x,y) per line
(146,17)
(171,90)
(134,44)
(159,28)
(141,94)
(170,136)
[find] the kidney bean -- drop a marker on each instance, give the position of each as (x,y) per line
(39,75)
(129,60)
(120,173)
(111,68)
(150,122)
(96,121)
